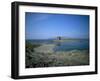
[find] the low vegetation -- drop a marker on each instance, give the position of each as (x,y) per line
(36,57)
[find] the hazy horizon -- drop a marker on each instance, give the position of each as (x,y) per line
(56,38)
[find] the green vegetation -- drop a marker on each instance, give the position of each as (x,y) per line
(39,56)
(29,52)
(30,47)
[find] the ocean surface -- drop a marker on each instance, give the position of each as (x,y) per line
(82,44)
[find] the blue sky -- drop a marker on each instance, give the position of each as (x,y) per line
(46,25)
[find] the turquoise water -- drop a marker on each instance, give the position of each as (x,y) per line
(82,44)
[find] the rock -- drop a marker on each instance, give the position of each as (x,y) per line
(46,48)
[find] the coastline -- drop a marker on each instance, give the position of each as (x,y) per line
(44,56)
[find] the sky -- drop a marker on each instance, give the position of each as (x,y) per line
(47,25)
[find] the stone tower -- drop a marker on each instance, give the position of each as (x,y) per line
(58,38)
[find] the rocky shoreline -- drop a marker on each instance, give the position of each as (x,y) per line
(44,56)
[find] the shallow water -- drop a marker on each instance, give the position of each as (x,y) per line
(73,45)
(82,44)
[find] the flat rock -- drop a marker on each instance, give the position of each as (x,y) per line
(45,48)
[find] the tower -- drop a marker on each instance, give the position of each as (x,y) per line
(58,38)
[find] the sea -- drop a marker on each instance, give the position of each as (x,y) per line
(80,44)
